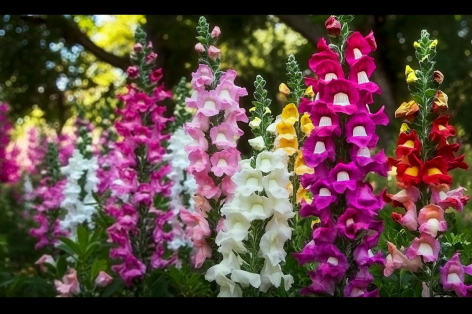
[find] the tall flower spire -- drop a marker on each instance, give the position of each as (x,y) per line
(141,212)
(339,148)
(213,155)
(424,158)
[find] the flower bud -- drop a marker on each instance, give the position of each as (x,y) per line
(434,44)
(156,75)
(254,124)
(132,72)
(371,40)
(438,77)
(103,279)
(408,70)
(138,47)
(151,57)
(333,27)
(199,48)
(214,53)
(215,33)
(284,89)
(416,45)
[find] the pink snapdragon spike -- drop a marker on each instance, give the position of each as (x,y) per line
(141,175)
(342,115)
(213,156)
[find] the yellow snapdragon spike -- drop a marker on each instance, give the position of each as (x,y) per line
(290,113)
(306,124)
(289,146)
(404,128)
(310,93)
(300,167)
(411,78)
(303,194)
(286,130)
(252,109)
(284,89)
(434,43)
(416,45)
(408,70)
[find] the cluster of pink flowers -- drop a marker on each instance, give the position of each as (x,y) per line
(213,155)
(138,233)
(8,167)
(339,149)
(108,158)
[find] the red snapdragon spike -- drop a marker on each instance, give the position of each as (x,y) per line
(408,144)
(410,173)
(435,172)
(445,150)
(441,129)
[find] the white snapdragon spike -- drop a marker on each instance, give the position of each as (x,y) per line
(246,278)
(183,182)
(280,222)
(268,161)
(275,184)
(78,211)
(272,275)
(272,246)
(248,181)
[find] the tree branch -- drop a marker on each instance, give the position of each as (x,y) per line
(73,34)
(302,25)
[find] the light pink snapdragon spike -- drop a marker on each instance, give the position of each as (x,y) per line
(213,156)
(339,148)
(140,191)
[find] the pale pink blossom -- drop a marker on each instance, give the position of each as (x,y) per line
(103,279)
(214,53)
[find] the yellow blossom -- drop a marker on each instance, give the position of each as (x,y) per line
(303,194)
(306,124)
(408,70)
(286,130)
(252,109)
(284,89)
(268,110)
(289,146)
(434,43)
(404,128)
(290,113)
(408,111)
(416,45)
(309,92)
(411,78)
(300,167)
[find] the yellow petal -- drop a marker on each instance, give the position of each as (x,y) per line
(315,221)
(252,109)
(290,113)
(306,124)
(434,44)
(303,194)
(268,110)
(404,128)
(424,58)
(286,130)
(408,111)
(309,92)
(289,146)
(408,70)
(411,78)
(284,89)
(300,167)
(416,45)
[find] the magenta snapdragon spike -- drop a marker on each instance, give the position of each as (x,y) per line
(141,189)
(213,156)
(339,149)
(9,169)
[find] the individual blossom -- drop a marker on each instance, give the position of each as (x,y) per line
(333,26)
(407,111)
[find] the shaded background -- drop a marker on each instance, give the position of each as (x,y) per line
(49,64)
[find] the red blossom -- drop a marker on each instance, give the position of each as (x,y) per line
(445,150)
(441,129)
(410,171)
(435,172)
(408,144)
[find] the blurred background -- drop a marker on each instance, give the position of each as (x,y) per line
(51,64)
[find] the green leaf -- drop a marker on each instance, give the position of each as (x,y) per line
(61,266)
(91,248)
(66,249)
(113,287)
(383,292)
(417,99)
(430,92)
(71,244)
(82,237)
(408,293)
(97,266)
